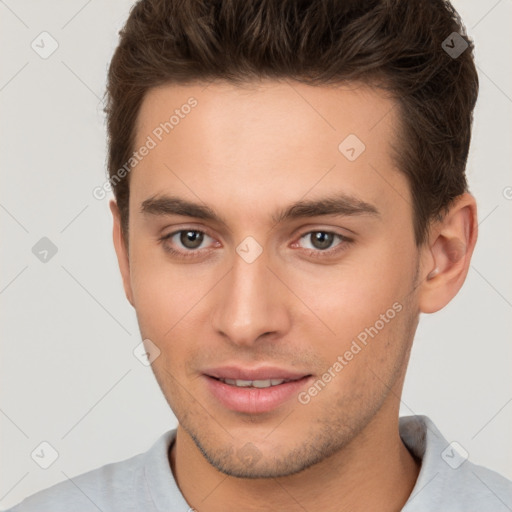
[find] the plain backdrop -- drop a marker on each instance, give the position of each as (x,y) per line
(67,372)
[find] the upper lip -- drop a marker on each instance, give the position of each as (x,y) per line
(260,373)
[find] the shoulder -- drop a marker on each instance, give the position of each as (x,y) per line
(447,478)
(94,490)
(116,486)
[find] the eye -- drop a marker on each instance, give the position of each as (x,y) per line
(321,242)
(191,239)
(188,242)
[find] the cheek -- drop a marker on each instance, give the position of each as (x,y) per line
(353,295)
(345,298)
(157,292)
(366,306)
(168,297)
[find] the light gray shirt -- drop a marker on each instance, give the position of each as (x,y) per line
(447,482)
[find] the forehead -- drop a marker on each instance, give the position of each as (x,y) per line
(268,139)
(223,112)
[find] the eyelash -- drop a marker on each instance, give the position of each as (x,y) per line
(315,253)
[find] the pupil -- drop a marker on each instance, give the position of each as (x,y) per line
(191,239)
(322,240)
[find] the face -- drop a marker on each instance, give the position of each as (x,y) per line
(272,263)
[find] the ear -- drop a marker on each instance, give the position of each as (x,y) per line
(121,251)
(446,255)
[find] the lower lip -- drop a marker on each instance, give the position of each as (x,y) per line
(254,400)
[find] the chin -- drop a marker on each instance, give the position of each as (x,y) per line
(249,461)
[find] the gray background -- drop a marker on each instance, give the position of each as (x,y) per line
(67,372)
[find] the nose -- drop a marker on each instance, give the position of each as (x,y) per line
(251,302)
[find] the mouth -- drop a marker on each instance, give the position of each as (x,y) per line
(254,391)
(260,384)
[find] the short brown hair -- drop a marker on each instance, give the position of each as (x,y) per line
(397,44)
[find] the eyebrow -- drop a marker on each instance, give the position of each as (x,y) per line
(339,204)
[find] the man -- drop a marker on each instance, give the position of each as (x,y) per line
(290,196)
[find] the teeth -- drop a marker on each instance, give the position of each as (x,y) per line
(243,383)
(253,383)
(261,383)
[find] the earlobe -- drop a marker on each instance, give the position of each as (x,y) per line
(450,247)
(121,251)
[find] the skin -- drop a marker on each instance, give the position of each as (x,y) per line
(247,152)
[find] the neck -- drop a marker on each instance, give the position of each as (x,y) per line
(375,471)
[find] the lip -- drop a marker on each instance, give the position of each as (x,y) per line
(252,400)
(262,373)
